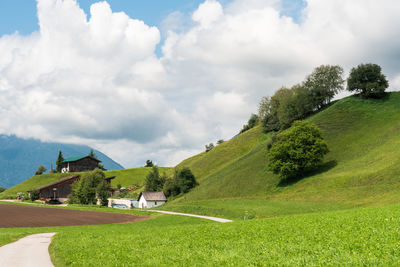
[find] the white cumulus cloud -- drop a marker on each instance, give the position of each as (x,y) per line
(96,79)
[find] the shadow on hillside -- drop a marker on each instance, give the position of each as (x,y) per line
(322,168)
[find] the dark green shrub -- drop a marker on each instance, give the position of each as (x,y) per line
(297,150)
(34,195)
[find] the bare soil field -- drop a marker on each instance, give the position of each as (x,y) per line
(28,216)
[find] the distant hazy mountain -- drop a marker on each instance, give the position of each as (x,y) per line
(20,158)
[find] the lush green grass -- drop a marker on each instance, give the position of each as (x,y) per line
(224,154)
(355,237)
(125,177)
(362,167)
(256,208)
(133,176)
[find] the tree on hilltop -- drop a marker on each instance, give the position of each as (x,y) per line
(324,83)
(149,163)
(367,80)
(40,170)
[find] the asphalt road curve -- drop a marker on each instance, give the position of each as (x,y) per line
(30,216)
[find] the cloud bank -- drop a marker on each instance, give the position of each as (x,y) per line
(97,80)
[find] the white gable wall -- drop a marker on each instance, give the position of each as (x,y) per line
(144,204)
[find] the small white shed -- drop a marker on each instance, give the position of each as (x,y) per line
(149,200)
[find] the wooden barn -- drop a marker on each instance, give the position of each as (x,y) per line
(58,191)
(80,164)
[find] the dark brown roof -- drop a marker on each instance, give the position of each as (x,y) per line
(72,178)
(109,178)
(79,158)
(153,196)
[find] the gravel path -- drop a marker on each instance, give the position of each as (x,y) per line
(194,215)
(30,251)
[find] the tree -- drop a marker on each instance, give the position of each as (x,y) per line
(323,84)
(171,188)
(85,189)
(209,147)
(92,154)
(103,192)
(34,195)
(264,108)
(182,182)
(40,170)
(59,161)
(220,141)
(153,180)
(367,80)
(297,150)
(251,123)
(186,180)
(149,163)
(2,189)
(277,104)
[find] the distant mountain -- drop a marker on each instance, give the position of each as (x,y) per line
(20,158)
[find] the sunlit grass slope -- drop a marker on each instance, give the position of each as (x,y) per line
(125,178)
(222,155)
(362,167)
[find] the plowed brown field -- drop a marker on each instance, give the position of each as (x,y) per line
(29,216)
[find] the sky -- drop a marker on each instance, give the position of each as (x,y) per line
(158,80)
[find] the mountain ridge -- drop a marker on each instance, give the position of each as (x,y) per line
(20,158)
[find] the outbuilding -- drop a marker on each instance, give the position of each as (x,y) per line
(58,191)
(149,200)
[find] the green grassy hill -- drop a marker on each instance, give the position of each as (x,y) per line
(362,167)
(125,178)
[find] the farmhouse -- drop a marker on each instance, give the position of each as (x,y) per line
(151,199)
(58,191)
(80,164)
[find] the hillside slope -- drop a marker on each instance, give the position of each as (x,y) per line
(20,158)
(125,178)
(362,167)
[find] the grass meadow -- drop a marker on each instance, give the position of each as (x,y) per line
(363,236)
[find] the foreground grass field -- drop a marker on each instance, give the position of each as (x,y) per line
(363,236)
(256,208)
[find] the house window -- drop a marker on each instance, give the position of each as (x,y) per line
(155,203)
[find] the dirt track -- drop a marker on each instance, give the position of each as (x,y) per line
(28,216)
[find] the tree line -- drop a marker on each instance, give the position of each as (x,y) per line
(288,104)
(293,152)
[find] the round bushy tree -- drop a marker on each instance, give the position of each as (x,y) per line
(297,150)
(84,190)
(367,80)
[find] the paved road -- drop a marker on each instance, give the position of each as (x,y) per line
(30,251)
(194,215)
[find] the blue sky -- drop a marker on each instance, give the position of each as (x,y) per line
(20,15)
